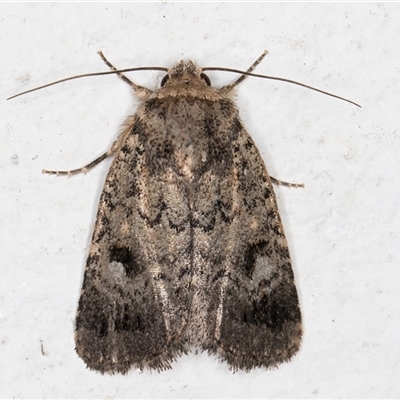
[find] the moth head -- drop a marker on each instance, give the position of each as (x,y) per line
(185,72)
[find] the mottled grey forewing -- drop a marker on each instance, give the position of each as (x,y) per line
(134,301)
(250,313)
(188,246)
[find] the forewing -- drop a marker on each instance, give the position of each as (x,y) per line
(133,306)
(247,297)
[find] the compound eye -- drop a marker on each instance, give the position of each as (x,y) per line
(164,80)
(206,79)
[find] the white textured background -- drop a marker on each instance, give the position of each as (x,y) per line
(343,228)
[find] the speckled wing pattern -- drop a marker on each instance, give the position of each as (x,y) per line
(188,248)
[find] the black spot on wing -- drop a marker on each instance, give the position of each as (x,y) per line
(250,256)
(124,256)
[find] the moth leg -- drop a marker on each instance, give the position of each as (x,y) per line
(136,88)
(117,144)
(288,184)
(84,169)
(114,149)
(228,88)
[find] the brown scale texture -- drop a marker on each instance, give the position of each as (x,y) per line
(188,247)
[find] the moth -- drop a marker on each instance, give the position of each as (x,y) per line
(188,248)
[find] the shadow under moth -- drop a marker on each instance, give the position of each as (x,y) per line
(188,248)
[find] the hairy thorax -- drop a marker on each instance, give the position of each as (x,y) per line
(188,136)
